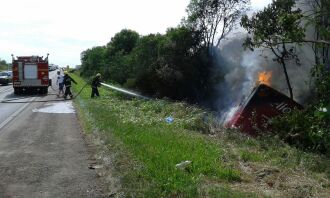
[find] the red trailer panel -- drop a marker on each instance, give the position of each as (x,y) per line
(263,104)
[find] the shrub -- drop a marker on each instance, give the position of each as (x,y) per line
(321,75)
(308,129)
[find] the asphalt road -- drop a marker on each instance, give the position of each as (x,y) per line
(42,150)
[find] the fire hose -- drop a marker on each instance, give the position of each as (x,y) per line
(14,100)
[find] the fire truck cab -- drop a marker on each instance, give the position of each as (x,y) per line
(30,74)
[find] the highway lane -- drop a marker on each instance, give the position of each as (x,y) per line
(5,88)
(8,110)
(42,150)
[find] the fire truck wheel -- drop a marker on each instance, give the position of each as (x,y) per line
(17,91)
(44,90)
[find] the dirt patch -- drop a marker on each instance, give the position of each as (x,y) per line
(275,182)
(101,161)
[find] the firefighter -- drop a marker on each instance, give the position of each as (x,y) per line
(67,83)
(96,82)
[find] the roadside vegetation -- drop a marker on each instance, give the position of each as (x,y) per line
(282,27)
(289,161)
(182,63)
(144,149)
(4,65)
(309,129)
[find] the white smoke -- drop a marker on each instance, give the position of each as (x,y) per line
(241,74)
(241,68)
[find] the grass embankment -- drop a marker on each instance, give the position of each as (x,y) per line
(145,149)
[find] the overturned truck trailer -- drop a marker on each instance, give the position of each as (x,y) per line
(264,103)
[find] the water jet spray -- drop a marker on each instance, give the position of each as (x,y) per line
(125,91)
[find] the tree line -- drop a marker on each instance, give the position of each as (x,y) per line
(172,65)
(178,64)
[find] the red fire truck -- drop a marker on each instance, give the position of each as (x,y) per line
(30,74)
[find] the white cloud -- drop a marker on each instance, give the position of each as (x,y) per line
(64,28)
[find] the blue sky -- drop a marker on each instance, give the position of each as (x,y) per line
(65,28)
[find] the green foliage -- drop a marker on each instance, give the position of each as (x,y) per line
(145,56)
(277,23)
(123,42)
(308,130)
(321,76)
(274,27)
(176,66)
(171,65)
(92,61)
(144,150)
(118,58)
(4,65)
(250,156)
(157,145)
(318,21)
(279,28)
(214,19)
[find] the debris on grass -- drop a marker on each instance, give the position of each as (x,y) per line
(183,165)
(169,119)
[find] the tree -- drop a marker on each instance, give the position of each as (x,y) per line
(144,56)
(92,60)
(318,18)
(179,65)
(3,62)
(122,42)
(4,65)
(215,19)
(171,65)
(118,60)
(276,28)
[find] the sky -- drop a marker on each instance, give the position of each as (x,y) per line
(65,28)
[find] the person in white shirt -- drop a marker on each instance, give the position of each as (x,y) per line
(60,83)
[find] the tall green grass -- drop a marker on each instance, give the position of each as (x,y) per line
(157,145)
(147,148)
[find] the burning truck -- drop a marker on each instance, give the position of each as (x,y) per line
(264,103)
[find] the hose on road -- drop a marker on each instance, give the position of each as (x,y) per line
(14,100)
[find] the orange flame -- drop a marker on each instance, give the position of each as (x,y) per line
(265,77)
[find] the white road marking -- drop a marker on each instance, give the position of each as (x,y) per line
(13,115)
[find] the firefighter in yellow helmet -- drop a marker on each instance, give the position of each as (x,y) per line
(96,82)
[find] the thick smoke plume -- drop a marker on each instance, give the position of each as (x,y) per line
(241,68)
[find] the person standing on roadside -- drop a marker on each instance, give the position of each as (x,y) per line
(96,82)
(67,82)
(59,83)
